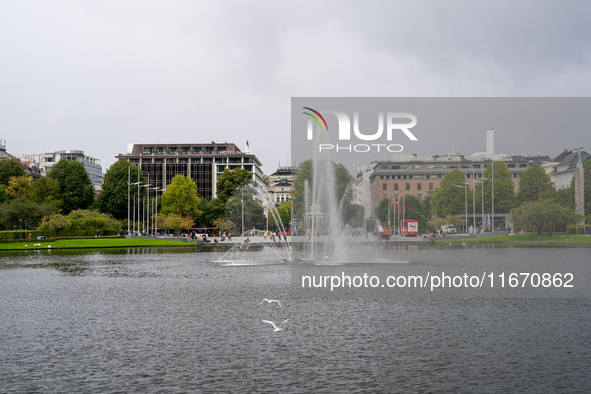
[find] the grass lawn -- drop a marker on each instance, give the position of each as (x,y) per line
(91,243)
(531,237)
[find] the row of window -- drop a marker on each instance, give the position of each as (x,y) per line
(222,168)
(407,186)
(397,197)
(222,160)
(183,150)
(428,166)
(418,176)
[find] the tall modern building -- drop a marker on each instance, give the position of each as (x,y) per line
(203,163)
(46,161)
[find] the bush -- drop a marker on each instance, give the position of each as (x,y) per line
(16,234)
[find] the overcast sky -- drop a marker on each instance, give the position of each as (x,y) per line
(96,75)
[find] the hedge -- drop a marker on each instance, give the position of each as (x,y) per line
(16,234)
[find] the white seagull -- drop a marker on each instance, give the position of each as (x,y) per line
(275,325)
(270,301)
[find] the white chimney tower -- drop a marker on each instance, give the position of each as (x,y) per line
(490,141)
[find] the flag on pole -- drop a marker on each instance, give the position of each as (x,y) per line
(292,212)
(399,207)
(403,205)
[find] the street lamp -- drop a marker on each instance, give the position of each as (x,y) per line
(466,215)
(474,183)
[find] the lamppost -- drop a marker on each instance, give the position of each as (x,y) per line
(466,215)
(474,183)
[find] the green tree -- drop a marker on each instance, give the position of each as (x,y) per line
(306,173)
(55,223)
(543,214)
(284,213)
(381,211)
(181,198)
(212,210)
(46,191)
(244,201)
(533,183)
(176,222)
(230,181)
(75,187)
(448,199)
(113,199)
(504,190)
(436,222)
(20,209)
(91,220)
(10,168)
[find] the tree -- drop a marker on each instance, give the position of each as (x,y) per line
(533,183)
(230,181)
(10,168)
(20,209)
(181,198)
(46,191)
(54,223)
(92,220)
(211,210)
(305,173)
(436,222)
(20,187)
(244,201)
(113,199)
(448,199)
(175,222)
(284,213)
(504,191)
(224,225)
(543,214)
(75,187)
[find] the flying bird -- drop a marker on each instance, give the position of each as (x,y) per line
(275,325)
(270,301)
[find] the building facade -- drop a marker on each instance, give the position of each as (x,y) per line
(420,176)
(280,183)
(204,163)
(46,161)
(562,168)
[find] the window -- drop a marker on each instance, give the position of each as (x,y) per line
(193,160)
(384,186)
(221,149)
(419,186)
(220,159)
(384,167)
(160,150)
(160,161)
(171,160)
(430,186)
(510,165)
(49,159)
(173,149)
(476,165)
(396,186)
(148,150)
(221,168)
(408,186)
(248,168)
(185,149)
(196,149)
(208,160)
(523,165)
(235,160)
(184,160)
(209,149)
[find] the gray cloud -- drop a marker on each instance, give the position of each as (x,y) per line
(97,75)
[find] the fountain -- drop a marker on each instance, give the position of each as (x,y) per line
(252,250)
